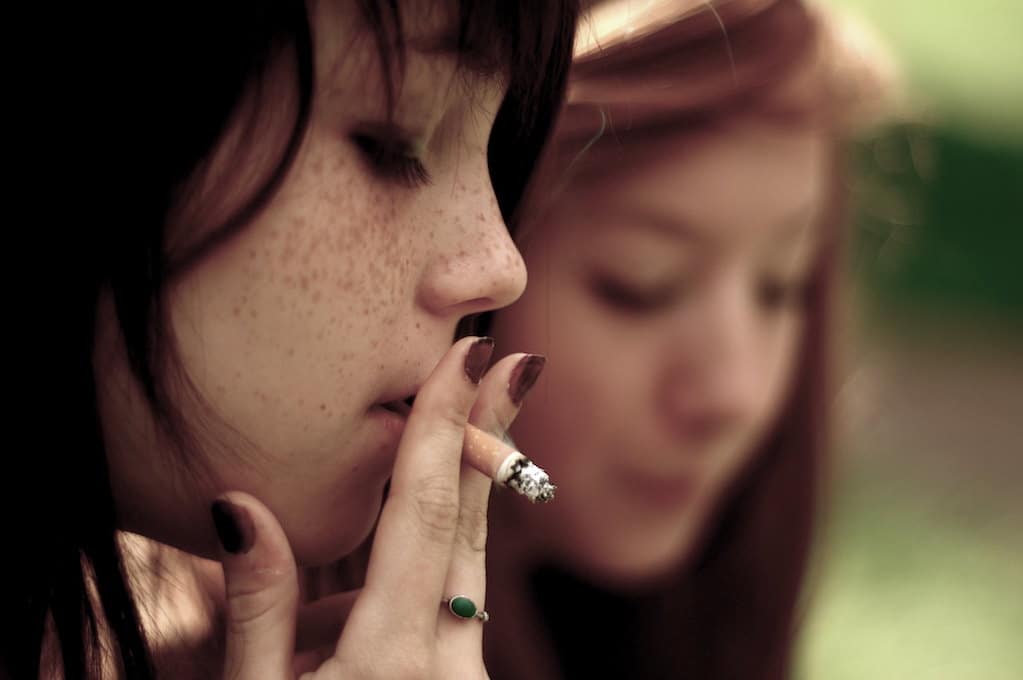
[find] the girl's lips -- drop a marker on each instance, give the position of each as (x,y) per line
(395,413)
(391,419)
(402,407)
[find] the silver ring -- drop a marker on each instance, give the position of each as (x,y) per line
(463,608)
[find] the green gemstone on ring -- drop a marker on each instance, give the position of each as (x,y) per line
(462,607)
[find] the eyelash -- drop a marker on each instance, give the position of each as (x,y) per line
(773,296)
(633,301)
(391,160)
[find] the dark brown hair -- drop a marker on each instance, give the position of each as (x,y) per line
(731,612)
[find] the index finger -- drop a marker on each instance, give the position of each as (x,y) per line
(413,545)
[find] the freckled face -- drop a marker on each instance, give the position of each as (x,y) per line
(342,294)
(668,296)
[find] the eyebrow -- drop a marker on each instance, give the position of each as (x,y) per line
(478,59)
(793,227)
(655,221)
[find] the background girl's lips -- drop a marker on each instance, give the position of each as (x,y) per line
(658,491)
(704,427)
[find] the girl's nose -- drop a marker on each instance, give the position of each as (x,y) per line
(479,269)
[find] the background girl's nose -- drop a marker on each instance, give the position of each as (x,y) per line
(717,358)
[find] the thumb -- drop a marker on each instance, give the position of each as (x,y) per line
(261,586)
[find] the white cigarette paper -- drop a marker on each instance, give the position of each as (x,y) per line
(505,465)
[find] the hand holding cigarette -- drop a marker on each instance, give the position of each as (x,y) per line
(415,570)
(505,465)
(497,459)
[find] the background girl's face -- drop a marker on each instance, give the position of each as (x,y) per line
(668,296)
(339,297)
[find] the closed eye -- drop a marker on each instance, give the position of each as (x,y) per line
(778,295)
(392,159)
(633,300)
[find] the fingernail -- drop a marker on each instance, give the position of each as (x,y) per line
(524,375)
(478,358)
(234,527)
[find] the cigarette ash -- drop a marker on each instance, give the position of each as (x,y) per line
(531,481)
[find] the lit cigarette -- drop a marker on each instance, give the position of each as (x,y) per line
(506,466)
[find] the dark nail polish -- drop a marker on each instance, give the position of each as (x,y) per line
(524,375)
(234,527)
(478,358)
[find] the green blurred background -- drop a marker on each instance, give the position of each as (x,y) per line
(920,568)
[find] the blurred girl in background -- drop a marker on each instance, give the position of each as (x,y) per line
(682,239)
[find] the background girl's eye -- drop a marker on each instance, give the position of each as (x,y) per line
(633,300)
(392,160)
(775,295)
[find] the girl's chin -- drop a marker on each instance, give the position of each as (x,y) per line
(323,550)
(327,544)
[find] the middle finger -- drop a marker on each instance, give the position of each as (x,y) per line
(497,404)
